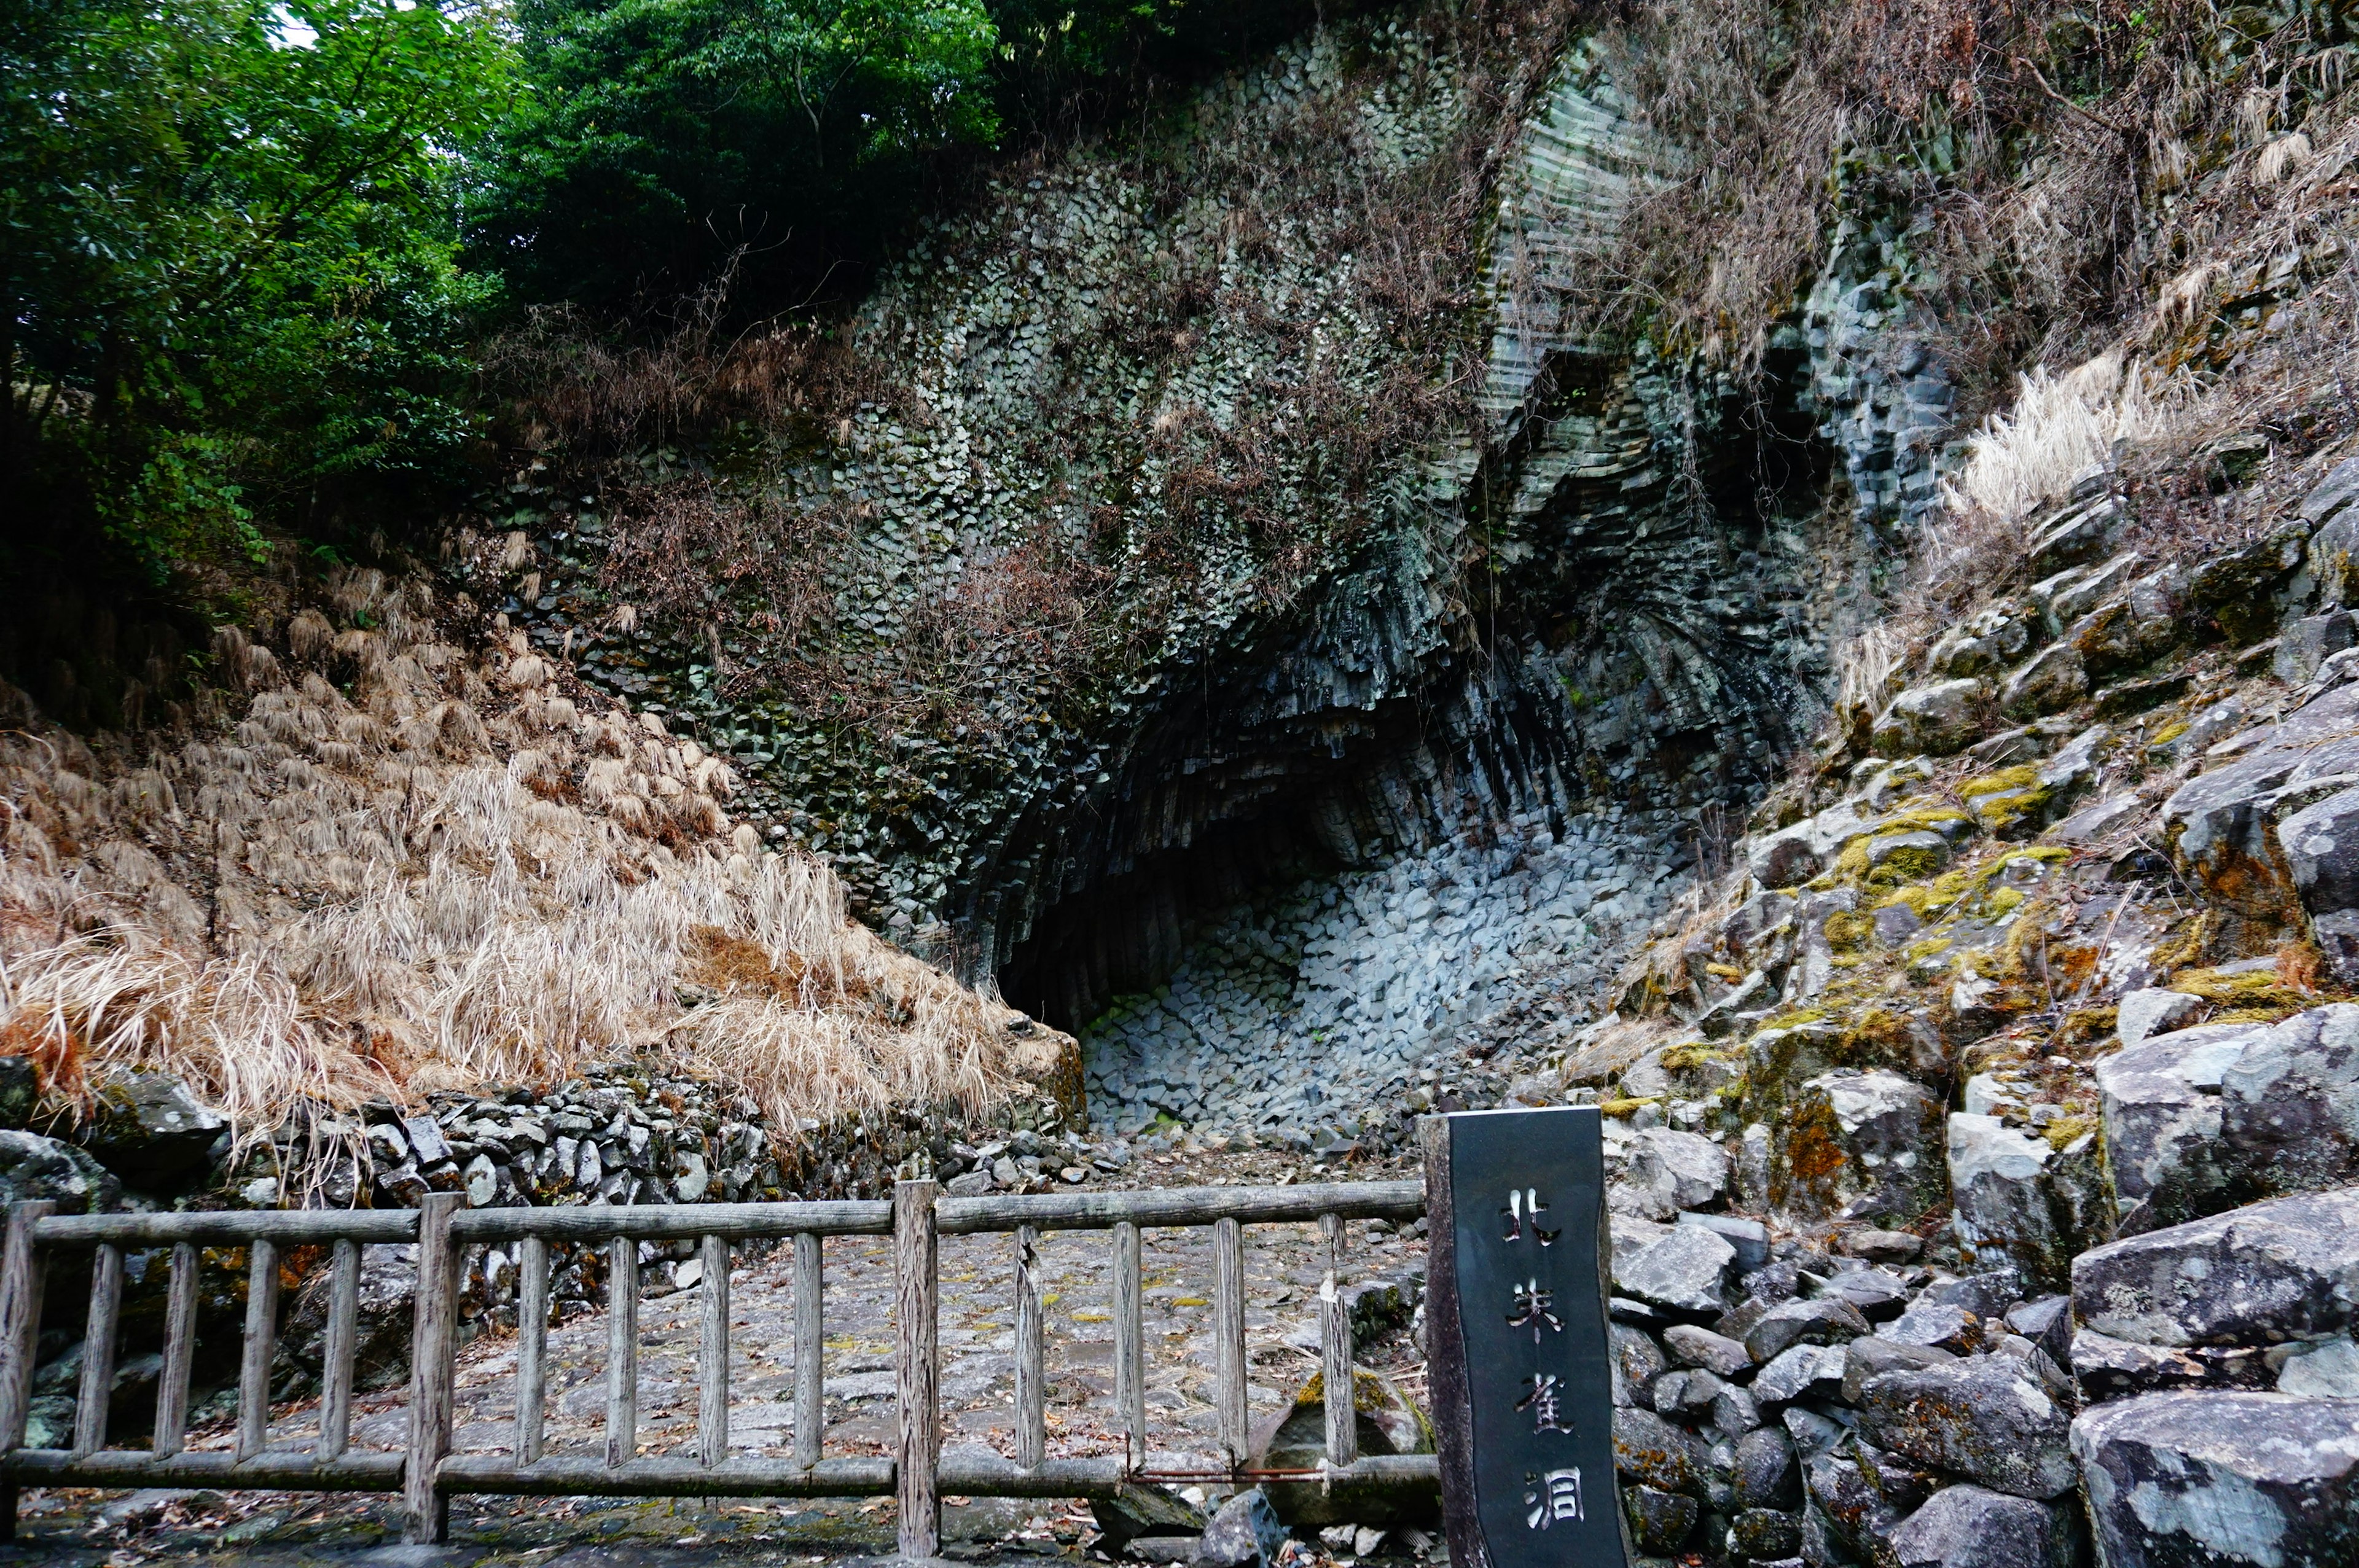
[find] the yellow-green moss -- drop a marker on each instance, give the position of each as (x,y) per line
(1618,1107)
(1848,929)
(2000,782)
(2061,1131)
(2170,732)
(2005,898)
(1689,1055)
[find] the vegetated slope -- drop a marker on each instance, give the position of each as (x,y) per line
(381,863)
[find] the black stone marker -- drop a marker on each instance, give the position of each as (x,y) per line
(1518,1353)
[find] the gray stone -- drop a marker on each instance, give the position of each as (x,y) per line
(1941,1325)
(2323,1369)
(2289,1106)
(1869,1354)
(2254,1478)
(1812,1433)
(1987,1292)
(1935,721)
(1386,1422)
(2020,1199)
(2153,1011)
(1822,1320)
(389,1288)
(1987,1418)
(1883,1245)
(32,1166)
(2320,842)
(1857,1513)
(2222,824)
(1660,1521)
(1687,1270)
(1702,1348)
(1803,1372)
(1734,1410)
(1245,1532)
(2054,680)
(2287,1269)
(2046,1323)
(2307,642)
(1637,1361)
(1764,1535)
(2109,1369)
(1767,1475)
(149,1130)
(1134,1511)
(1654,1452)
(1664,1172)
(2160,1102)
(2075,536)
(1971,1527)
(1749,1236)
(1888,1129)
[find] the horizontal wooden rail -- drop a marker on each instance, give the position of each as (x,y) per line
(583,1476)
(673,1222)
(231,1227)
(280,1471)
(1182,1206)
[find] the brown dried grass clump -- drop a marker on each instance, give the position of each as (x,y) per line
(449,877)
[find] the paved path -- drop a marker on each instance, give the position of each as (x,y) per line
(977,1391)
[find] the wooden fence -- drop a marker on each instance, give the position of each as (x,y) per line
(428,1474)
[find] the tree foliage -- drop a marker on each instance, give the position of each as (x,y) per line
(229,253)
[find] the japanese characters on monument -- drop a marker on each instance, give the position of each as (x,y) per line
(1527,1414)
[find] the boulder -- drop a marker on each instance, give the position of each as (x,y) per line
(1687,1271)
(1702,1348)
(2160,1102)
(1664,1172)
(1936,720)
(1660,1521)
(149,1130)
(2321,850)
(2321,1369)
(1824,1321)
(2133,628)
(1637,1361)
(2287,1269)
(2289,1106)
(1386,1422)
(2222,825)
(1987,641)
(1794,855)
(1652,1451)
(2306,643)
(1245,1532)
(1859,1144)
(1973,1527)
(1988,1418)
(2020,1198)
(2152,1012)
(2053,682)
(2245,1478)
(388,1291)
(1856,1512)
(2110,1369)
(1987,1292)
(1939,1326)
(1807,1371)
(1871,1355)
(1767,1475)
(32,1166)
(1764,1535)
(1135,1511)
(2082,531)
(2238,588)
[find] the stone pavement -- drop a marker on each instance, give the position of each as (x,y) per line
(977,1323)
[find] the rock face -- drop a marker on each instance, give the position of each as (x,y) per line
(2241,1478)
(1686,1268)
(2020,1197)
(2290,1110)
(2162,1111)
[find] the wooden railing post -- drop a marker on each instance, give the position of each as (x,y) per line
(810,1350)
(343,1344)
(622,1351)
(1335,1350)
(713,1355)
(1129,1347)
(1229,1337)
(21,1276)
(261,1331)
(1031,1380)
(98,1349)
(532,1346)
(180,1353)
(916,1286)
(433,1347)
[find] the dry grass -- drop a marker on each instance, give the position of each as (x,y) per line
(452,876)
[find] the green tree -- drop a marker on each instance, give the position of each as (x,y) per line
(228,255)
(662,135)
